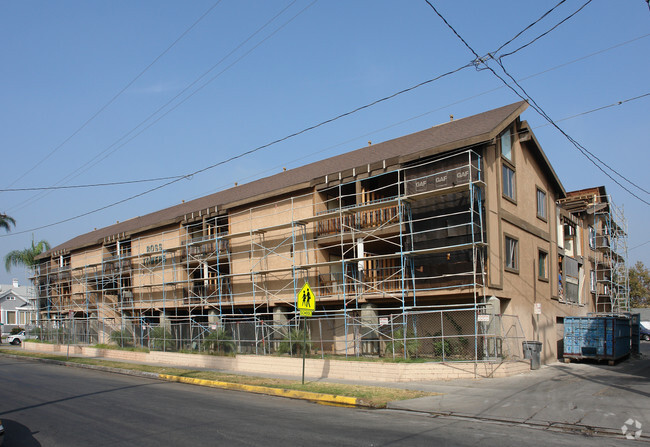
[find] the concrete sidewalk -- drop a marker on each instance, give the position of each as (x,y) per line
(577,395)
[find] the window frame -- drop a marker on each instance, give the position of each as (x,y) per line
(593,281)
(512,182)
(514,268)
(545,277)
(592,238)
(543,216)
(510,159)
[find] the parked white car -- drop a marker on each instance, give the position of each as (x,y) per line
(18,338)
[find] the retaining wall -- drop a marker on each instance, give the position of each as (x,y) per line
(314,368)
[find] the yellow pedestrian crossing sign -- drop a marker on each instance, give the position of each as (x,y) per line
(306,301)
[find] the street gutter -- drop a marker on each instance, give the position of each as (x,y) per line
(320,398)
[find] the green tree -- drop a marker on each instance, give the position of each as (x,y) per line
(6,222)
(639,285)
(25,257)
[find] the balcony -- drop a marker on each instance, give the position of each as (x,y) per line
(372,280)
(602,242)
(211,293)
(206,246)
(115,265)
(348,219)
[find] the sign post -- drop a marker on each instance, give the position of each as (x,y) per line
(306,304)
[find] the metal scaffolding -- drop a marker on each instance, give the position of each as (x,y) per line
(607,241)
(612,291)
(376,249)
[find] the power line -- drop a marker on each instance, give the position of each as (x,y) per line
(117,95)
(33,199)
(126,138)
(586,57)
(126,182)
(640,245)
(584,151)
(598,109)
(529,26)
(525,96)
(546,32)
(251,151)
(92,185)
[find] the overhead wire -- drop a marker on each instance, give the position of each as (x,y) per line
(91,185)
(290,136)
(529,26)
(588,154)
(128,137)
(350,140)
(251,151)
(54,187)
(525,96)
(598,109)
(546,32)
(638,246)
(117,95)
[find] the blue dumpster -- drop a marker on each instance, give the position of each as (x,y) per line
(597,338)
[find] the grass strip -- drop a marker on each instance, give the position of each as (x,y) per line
(373,396)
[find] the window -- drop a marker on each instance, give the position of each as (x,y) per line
(512,254)
(542,265)
(506,145)
(592,238)
(592,280)
(541,204)
(571,280)
(11,317)
(508,175)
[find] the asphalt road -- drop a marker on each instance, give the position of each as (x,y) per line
(49,405)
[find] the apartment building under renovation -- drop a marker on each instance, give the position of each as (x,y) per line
(462,231)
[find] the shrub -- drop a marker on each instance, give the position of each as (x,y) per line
(122,338)
(293,341)
(16,330)
(408,348)
(219,341)
(440,347)
(160,339)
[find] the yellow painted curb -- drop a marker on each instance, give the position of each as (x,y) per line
(293,394)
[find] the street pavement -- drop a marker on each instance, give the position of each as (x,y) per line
(583,397)
(44,404)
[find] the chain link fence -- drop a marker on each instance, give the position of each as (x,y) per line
(464,334)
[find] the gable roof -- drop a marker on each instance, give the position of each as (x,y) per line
(19,292)
(435,140)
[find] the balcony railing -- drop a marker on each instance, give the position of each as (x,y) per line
(358,220)
(208,247)
(116,266)
(374,280)
(210,292)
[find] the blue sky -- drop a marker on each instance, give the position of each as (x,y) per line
(62,62)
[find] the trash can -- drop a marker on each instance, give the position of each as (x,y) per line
(533,351)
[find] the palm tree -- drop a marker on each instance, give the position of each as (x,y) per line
(6,222)
(26,257)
